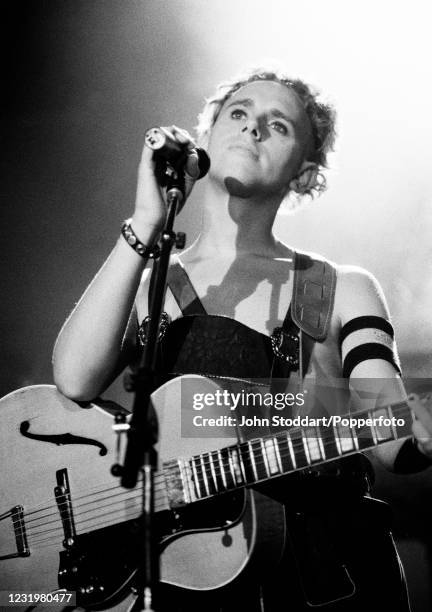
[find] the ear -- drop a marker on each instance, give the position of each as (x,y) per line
(305,179)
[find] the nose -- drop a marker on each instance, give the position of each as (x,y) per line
(252,126)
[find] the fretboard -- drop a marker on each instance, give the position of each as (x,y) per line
(285,452)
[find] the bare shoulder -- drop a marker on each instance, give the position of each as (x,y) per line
(358,293)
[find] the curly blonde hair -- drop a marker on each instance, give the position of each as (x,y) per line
(322,116)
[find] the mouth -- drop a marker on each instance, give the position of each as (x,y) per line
(238,146)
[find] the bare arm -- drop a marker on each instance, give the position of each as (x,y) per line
(96,342)
(360,295)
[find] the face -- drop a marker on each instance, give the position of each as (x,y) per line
(259,139)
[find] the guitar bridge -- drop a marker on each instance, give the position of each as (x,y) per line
(17,516)
(64,503)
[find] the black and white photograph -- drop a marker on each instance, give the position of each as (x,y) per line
(216,315)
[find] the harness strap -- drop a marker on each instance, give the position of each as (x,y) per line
(182,289)
(313,295)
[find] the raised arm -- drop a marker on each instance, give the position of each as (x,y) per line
(96,342)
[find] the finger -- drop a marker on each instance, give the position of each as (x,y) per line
(147,156)
(183,136)
(423,438)
(420,431)
(421,411)
(192,169)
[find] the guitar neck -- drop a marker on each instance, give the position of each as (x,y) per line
(255,461)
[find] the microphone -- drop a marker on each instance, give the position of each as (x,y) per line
(166,149)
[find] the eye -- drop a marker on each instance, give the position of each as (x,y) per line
(238,113)
(279,127)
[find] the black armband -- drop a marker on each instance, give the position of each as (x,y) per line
(370,350)
(366,322)
(375,336)
(410,459)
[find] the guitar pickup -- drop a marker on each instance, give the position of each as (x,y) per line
(16,515)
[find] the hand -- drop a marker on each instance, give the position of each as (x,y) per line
(150,207)
(422,426)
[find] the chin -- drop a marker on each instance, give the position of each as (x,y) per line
(239,188)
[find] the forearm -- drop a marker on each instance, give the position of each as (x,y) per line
(90,348)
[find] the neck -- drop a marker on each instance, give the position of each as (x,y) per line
(234,226)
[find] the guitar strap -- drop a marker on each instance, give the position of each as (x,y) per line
(182,289)
(308,318)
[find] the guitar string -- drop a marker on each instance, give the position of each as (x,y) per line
(77,495)
(219,471)
(57,513)
(50,541)
(292,431)
(121,513)
(297,444)
(55,507)
(256,460)
(129,506)
(99,524)
(214,487)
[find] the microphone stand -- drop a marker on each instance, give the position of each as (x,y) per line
(143,431)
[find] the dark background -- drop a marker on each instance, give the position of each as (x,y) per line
(83,80)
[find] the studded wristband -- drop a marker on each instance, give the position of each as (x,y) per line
(133,241)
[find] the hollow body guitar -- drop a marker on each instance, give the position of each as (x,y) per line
(66,523)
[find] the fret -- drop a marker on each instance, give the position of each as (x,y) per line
(366,435)
(402,412)
(270,457)
(196,479)
(291,452)
(260,457)
(237,467)
(191,482)
(186,484)
(210,474)
(355,439)
(200,477)
(264,456)
(231,467)
(285,452)
(222,469)
(306,450)
(384,432)
(241,464)
(300,448)
(203,468)
(252,460)
(329,442)
(344,439)
(229,473)
(321,444)
(313,444)
(213,472)
(277,454)
(393,425)
(247,462)
(374,435)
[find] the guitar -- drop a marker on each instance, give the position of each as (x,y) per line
(65,521)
